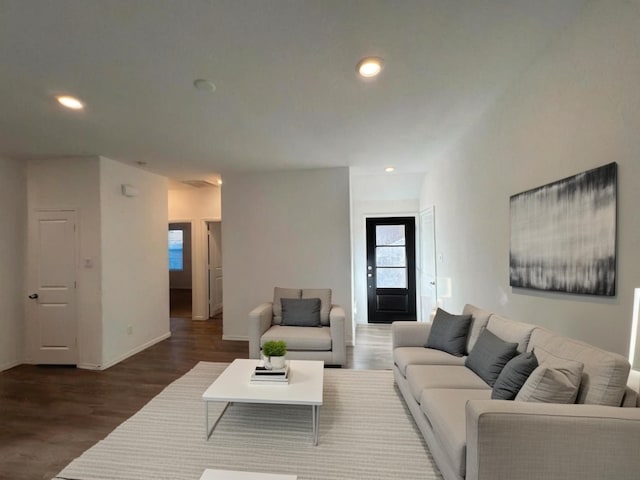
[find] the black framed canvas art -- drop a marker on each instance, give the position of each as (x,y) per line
(563,235)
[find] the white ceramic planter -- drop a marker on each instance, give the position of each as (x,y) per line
(276,362)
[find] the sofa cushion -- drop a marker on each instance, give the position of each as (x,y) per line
(301,312)
(511,331)
(489,356)
(324,294)
(479,319)
(445,410)
(278,294)
(449,333)
(552,382)
(300,338)
(513,376)
(604,377)
(420,377)
(403,356)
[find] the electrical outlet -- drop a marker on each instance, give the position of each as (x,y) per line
(130,330)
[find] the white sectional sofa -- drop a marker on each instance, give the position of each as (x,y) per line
(472,436)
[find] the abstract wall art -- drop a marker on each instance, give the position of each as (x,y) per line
(563,235)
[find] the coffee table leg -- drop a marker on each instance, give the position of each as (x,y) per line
(206,415)
(206,420)
(316,422)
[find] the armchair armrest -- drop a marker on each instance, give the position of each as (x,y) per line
(519,440)
(259,322)
(338,342)
(409,334)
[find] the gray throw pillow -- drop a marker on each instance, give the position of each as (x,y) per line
(513,376)
(489,356)
(301,312)
(449,333)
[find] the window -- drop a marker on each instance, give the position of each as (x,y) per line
(391,256)
(176,250)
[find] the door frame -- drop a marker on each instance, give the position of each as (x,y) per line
(209,299)
(416,217)
(193,255)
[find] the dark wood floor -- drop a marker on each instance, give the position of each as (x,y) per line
(50,415)
(180,302)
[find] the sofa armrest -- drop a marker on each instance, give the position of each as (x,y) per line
(409,334)
(259,322)
(338,341)
(519,440)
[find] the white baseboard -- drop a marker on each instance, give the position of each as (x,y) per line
(89,366)
(8,365)
(235,338)
(138,349)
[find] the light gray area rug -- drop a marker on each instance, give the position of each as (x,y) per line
(365,432)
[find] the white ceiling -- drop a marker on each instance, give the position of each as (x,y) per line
(287,93)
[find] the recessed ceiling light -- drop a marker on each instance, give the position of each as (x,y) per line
(219,181)
(390,169)
(369,67)
(204,85)
(70,102)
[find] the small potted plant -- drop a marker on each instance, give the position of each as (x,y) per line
(273,353)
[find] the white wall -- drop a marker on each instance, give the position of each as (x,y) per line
(288,229)
(13,213)
(194,203)
(73,183)
(135,272)
(197,206)
(577,108)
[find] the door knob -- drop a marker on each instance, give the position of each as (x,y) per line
(33,296)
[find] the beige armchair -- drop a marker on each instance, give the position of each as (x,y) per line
(326,341)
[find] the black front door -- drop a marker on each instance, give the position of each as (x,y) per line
(391,269)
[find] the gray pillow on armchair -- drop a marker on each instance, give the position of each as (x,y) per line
(301,312)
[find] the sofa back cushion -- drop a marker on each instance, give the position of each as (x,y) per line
(479,319)
(511,331)
(278,294)
(324,294)
(604,377)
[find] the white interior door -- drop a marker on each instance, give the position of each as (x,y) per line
(52,298)
(215,268)
(428,284)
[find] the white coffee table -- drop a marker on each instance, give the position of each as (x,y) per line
(233,385)
(211,474)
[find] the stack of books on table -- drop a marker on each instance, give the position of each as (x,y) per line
(261,374)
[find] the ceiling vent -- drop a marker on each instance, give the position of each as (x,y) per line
(198,183)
